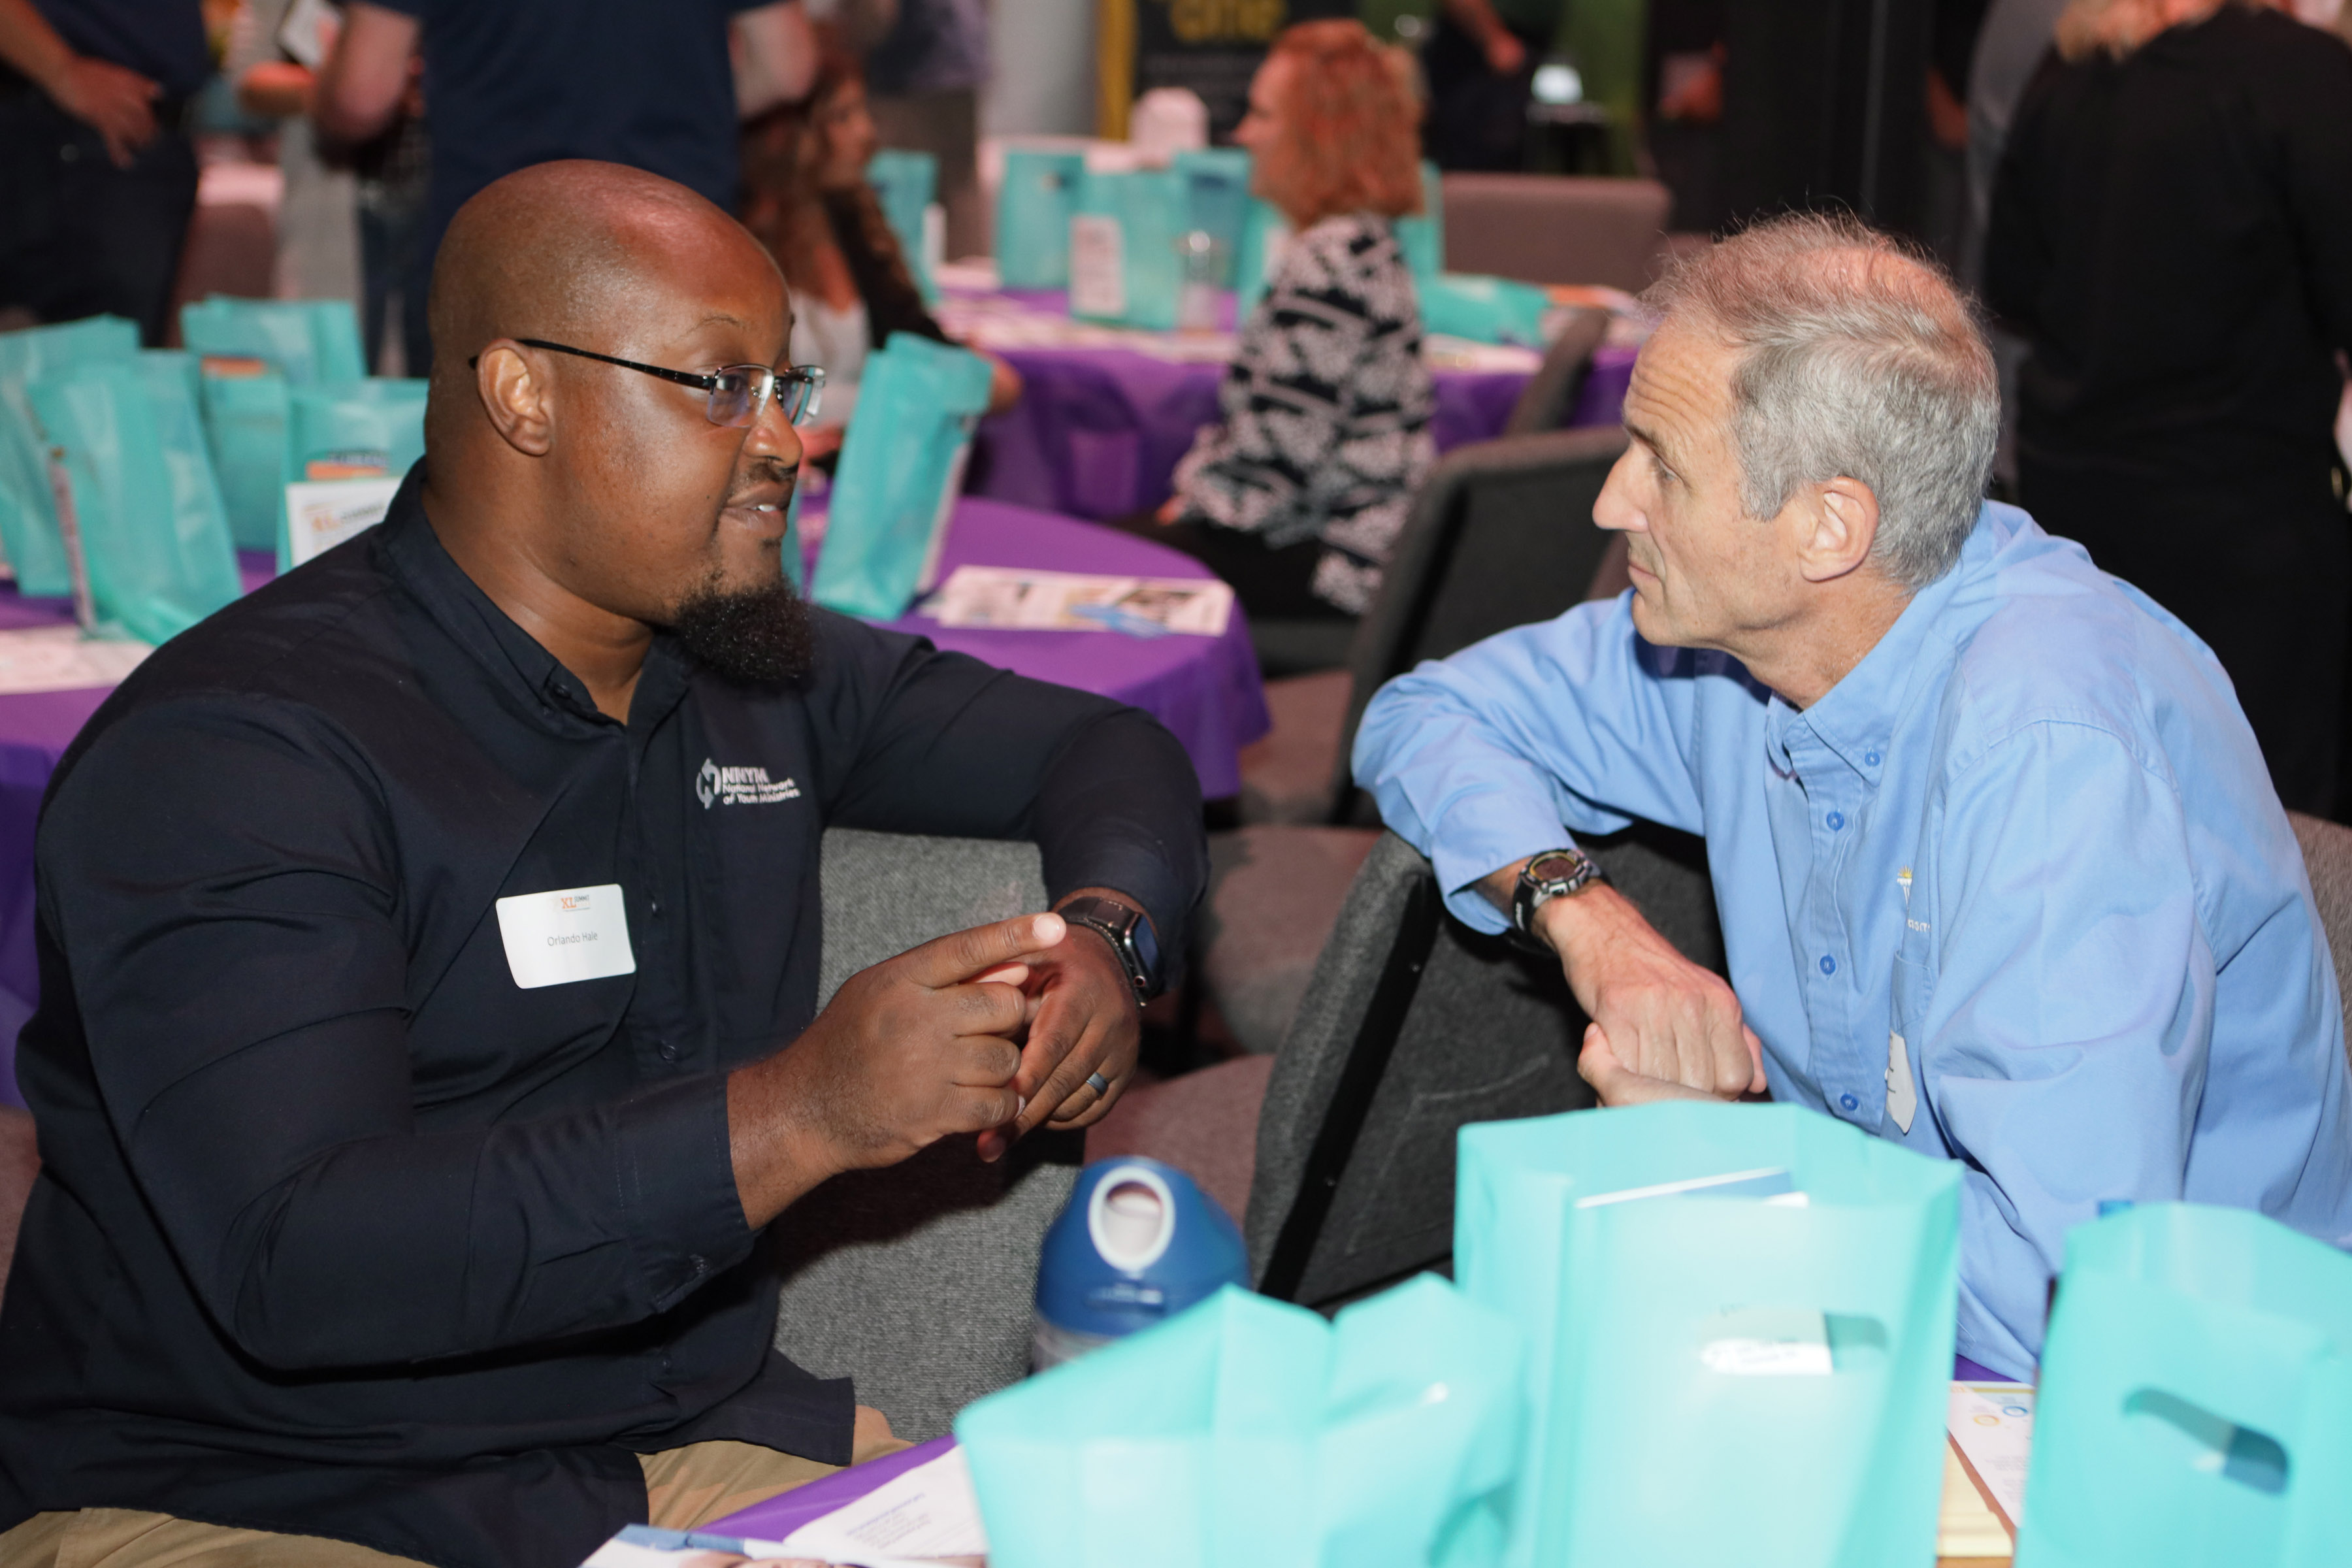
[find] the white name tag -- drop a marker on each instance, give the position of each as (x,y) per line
(573,933)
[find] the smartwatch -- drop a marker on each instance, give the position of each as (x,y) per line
(1554,874)
(1128,933)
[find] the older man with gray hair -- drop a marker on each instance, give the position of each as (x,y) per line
(2001,874)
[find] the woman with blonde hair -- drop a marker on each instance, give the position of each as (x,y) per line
(1296,495)
(2172,235)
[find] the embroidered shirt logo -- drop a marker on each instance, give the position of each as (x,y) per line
(715,785)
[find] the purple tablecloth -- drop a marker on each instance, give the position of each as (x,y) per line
(1097,431)
(1205,690)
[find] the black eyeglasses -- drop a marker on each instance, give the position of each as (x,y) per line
(739,393)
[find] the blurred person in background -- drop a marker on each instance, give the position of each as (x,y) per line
(1296,495)
(659,88)
(1480,63)
(98,177)
(805,197)
(347,224)
(2172,233)
(926,61)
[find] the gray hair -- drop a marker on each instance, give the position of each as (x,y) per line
(1857,358)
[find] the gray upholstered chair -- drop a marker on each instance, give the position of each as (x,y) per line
(1415,1024)
(917,1281)
(1550,395)
(1553,228)
(1501,535)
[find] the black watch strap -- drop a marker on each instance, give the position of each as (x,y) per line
(1554,874)
(1128,933)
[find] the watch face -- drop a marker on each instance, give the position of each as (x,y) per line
(1552,869)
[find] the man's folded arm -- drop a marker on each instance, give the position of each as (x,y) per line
(2063,1047)
(227,890)
(911,740)
(1485,758)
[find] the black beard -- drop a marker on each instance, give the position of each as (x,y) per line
(761,636)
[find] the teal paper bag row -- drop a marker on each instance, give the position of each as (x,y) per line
(1033,217)
(254,353)
(347,430)
(1125,268)
(1249,1434)
(2195,1405)
(244,422)
(305,340)
(1484,309)
(153,533)
(28,512)
(1718,1378)
(901,466)
(1217,199)
(907,182)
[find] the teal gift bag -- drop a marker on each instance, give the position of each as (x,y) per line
(1739,1320)
(1266,235)
(1422,236)
(905,183)
(1033,217)
(1217,199)
(1484,309)
(1124,263)
(901,466)
(153,535)
(28,511)
(2196,1399)
(1248,1434)
(305,340)
(346,432)
(244,422)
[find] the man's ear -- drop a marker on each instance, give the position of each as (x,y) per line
(515,398)
(1835,532)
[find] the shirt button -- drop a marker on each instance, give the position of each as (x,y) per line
(1870,759)
(655,907)
(1836,820)
(1849,1102)
(1828,964)
(668,1049)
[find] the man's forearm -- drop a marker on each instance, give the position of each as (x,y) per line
(28,43)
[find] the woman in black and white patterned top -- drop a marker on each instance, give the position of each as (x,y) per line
(1296,495)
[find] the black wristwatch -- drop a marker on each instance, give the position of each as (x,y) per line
(1554,874)
(1128,933)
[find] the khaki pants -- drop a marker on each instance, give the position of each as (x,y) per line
(686,1488)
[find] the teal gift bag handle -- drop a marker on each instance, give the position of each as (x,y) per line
(2196,1398)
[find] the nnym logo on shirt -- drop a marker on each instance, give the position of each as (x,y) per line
(715,785)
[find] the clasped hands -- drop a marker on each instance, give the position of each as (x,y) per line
(992,1031)
(1662,1027)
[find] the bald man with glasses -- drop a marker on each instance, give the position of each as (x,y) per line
(429,956)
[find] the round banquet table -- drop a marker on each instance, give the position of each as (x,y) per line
(1205,690)
(1101,422)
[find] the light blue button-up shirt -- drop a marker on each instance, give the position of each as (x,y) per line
(2026,851)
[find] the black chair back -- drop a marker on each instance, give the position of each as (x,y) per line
(1501,535)
(1413,1025)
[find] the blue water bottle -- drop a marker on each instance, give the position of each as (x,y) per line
(1137,1243)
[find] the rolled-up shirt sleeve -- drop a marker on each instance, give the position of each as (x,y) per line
(1576,724)
(2060,1009)
(239,959)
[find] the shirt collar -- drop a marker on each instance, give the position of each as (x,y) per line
(487,632)
(1856,718)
